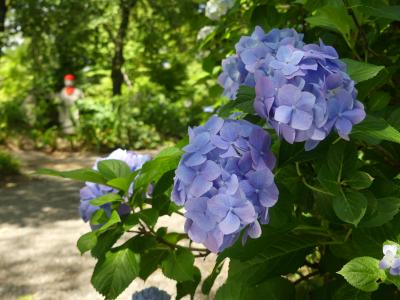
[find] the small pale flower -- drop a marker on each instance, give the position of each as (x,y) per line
(390,260)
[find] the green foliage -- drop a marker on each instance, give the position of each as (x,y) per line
(107,198)
(179,266)
(115,271)
(360,71)
(87,242)
(9,165)
(164,88)
(80,174)
(363,273)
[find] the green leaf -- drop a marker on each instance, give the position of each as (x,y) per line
(359,180)
(232,291)
(350,206)
(115,271)
(363,273)
(130,221)
(361,71)
(99,217)
(106,198)
(80,175)
(387,208)
(368,241)
(165,182)
(154,169)
(123,183)
(335,18)
(243,102)
(348,292)
(105,241)
(149,216)
(113,168)
(328,180)
(276,288)
(394,118)
(393,279)
(375,128)
(277,251)
(114,219)
(188,287)
(336,159)
(386,11)
(178,265)
(379,101)
(150,261)
(87,242)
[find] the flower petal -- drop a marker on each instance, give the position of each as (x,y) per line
(199,186)
(301,120)
(194,159)
(283,114)
(246,213)
(229,224)
(343,127)
(185,174)
(254,230)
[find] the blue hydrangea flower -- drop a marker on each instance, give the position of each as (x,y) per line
(302,90)
(94,190)
(225,182)
(151,293)
(390,260)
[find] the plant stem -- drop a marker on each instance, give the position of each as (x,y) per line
(315,189)
(163,241)
(348,235)
(179,213)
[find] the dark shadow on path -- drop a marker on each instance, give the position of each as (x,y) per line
(39,201)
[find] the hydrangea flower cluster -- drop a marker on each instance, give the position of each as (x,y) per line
(390,260)
(215,9)
(302,90)
(225,183)
(151,293)
(93,190)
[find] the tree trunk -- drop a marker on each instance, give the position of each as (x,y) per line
(3,11)
(118,59)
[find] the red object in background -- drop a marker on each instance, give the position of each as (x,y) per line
(69,77)
(69,90)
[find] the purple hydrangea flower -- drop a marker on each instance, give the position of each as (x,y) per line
(225,182)
(302,90)
(390,260)
(93,190)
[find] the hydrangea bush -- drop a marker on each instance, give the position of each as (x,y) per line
(294,183)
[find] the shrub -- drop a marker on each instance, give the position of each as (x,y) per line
(9,165)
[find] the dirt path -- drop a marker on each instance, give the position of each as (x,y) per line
(39,227)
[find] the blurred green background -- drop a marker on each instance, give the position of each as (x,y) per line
(148,68)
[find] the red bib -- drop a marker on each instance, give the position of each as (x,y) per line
(69,90)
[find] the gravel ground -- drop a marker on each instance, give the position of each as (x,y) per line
(39,227)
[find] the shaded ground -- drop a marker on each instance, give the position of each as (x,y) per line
(39,227)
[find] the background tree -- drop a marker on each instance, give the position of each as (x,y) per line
(125,7)
(3,12)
